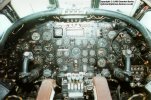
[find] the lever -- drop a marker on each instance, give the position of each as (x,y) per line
(128,54)
(27,56)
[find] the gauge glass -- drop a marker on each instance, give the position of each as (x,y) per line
(76,52)
(35,36)
(48,47)
(37,48)
(46,36)
(102,52)
(102,42)
(101,62)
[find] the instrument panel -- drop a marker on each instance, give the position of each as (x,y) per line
(64,50)
(70,46)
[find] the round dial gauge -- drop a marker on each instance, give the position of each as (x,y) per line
(76,52)
(49,57)
(92,41)
(38,59)
(102,52)
(116,46)
(102,42)
(111,58)
(37,48)
(48,47)
(101,62)
(35,36)
(46,36)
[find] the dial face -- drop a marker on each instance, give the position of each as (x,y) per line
(102,42)
(85,53)
(76,52)
(112,34)
(102,52)
(38,59)
(92,41)
(35,36)
(111,58)
(101,62)
(49,57)
(59,42)
(78,42)
(46,36)
(92,52)
(116,46)
(48,47)
(58,32)
(66,41)
(37,48)
(66,53)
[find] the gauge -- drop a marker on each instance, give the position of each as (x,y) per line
(58,32)
(59,42)
(66,41)
(92,41)
(116,46)
(59,53)
(85,60)
(66,53)
(46,36)
(59,61)
(48,47)
(92,52)
(101,62)
(38,59)
(85,53)
(49,57)
(128,40)
(76,52)
(37,48)
(92,61)
(78,42)
(111,58)
(112,34)
(35,36)
(47,72)
(102,42)
(25,46)
(102,52)
(85,42)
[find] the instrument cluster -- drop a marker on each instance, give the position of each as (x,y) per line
(63,50)
(73,47)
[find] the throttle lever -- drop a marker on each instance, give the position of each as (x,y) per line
(128,54)
(27,56)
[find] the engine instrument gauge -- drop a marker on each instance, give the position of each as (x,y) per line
(102,52)
(38,59)
(37,48)
(101,62)
(76,52)
(46,36)
(35,36)
(111,58)
(102,42)
(49,57)
(48,47)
